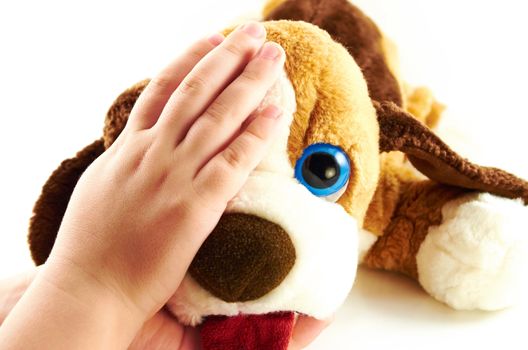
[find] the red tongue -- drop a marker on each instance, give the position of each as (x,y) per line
(247,332)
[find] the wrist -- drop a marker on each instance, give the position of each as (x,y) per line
(97,300)
(71,310)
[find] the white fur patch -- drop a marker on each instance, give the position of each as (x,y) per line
(476,259)
(325,239)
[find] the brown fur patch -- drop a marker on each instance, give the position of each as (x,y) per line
(244,258)
(51,205)
(383,204)
(356,32)
(419,207)
(431,156)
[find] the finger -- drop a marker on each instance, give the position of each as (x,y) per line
(223,176)
(150,103)
(222,120)
(305,331)
(209,77)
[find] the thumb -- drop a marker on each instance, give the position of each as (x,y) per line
(305,331)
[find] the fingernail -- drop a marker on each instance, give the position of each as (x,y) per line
(255,29)
(216,39)
(272,112)
(270,51)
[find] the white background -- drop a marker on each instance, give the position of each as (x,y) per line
(63,63)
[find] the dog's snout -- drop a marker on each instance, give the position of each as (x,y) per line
(244,258)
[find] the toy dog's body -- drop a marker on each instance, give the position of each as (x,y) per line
(457,230)
(424,228)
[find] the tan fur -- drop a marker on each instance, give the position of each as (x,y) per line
(269,6)
(421,103)
(333,105)
(383,204)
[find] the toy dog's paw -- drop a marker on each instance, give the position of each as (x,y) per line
(476,258)
(423,106)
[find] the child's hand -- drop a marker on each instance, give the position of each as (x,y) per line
(140,212)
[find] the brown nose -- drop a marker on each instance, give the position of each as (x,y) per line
(244,258)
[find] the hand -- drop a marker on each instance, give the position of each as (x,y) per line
(140,212)
(162,331)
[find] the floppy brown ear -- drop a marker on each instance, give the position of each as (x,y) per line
(52,203)
(400,131)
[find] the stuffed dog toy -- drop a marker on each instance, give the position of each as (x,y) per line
(355,177)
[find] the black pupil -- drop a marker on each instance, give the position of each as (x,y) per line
(320,170)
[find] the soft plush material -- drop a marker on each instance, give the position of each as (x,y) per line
(248,332)
(411,205)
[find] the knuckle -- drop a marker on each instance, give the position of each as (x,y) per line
(204,198)
(234,156)
(234,49)
(252,76)
(196,53)
(253,136)
(140,151)
(217,112)
(192,85)
(161,82)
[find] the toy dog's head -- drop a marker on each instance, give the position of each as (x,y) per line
(289,240)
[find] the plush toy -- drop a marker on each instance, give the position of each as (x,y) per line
(356,177)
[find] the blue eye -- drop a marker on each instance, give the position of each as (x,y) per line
(324,169)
